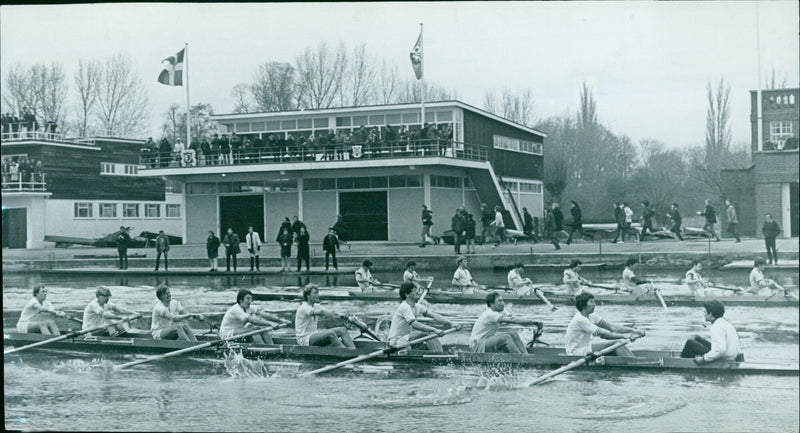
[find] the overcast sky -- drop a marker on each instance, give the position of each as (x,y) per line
(648,63)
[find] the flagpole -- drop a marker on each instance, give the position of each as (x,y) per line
(422,66)
(759,121)
(186,77)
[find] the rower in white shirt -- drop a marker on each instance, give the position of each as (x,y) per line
(305,323)
(410,276)
(364,277)
(462,279)
(243,315)
(694,280)
(520,285)
(169,318)
(34,314)
(585,325)
(724,344)
(101,311)
(405,326)
(572,279)
(630,281)
(760,285)
(485,338)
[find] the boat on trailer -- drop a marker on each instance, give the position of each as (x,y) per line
(453,354)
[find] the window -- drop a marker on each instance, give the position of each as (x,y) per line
(779,132)
(243,127)
(152,210)
(501,142)
(378,119)
(304,123)
(83,210)
(321,123)
(410,117)
(273,125)
(130,210)
(288,124)
(201,188)
(117,169)
(173,211)
(445,182)
(106,168)
(360,120)
(108,210)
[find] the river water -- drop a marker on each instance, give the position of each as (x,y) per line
(50,390)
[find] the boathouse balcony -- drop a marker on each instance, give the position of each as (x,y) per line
(16,182)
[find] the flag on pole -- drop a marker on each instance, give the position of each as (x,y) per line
(416,57)
(172,75)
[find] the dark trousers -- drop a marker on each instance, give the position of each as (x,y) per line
(253,261)
(647,225)
(554,239)
(228,261)
(331,254)
(579,229)
(158,260)
(676,228)
(772,253)
(458,239)
(709,228)
(734,231)
(123,257)
(301,257)
(620,232)
(695,346)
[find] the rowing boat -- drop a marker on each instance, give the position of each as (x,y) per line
(453,354)
(479,297)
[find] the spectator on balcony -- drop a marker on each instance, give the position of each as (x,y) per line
(39,171)
(343,144)
(404,138)
(29,120)
(164,152)
(6,122)
(14,123)
(14,171)
(246,149)
(50,126)
(236,148)
(177,153)
(202,153)
(225,150)
(212,156)
(390,137)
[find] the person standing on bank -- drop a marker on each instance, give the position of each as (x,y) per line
(302,248)
(123,241)
(330,243)
(285,240)
(711,219)
(733,221)
(469,232)
(162,247)
(212,249)
(499,226)
(619,218)
(458,225)
(771,230)
(231,242)
(427,222)
(253,241)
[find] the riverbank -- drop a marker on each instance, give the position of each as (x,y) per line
(386,256)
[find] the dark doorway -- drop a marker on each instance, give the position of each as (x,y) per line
(239,212)
(794,207)
(365,215)
(15,228)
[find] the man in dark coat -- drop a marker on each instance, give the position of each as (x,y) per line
(619,218)
(577,222)
(296,225)
(330,243)
(231,242)
(647,219)
(162,247)
(123,241)
(711,219)
(459,225)
(771,230)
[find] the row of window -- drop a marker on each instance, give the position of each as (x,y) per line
(129,210)
(780,131)
(523,187)
(450,182)
(373,182)
(501,142)
(326,184)
(344,121)
(118,169)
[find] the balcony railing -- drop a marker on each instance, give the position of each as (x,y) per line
(14,182)
(9,137)
(325,153)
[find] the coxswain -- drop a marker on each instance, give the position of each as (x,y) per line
(101,311)
(169,318)
(241,316)
(405,326)
(34,319)
(572,279)
(585,325)
(462,279)
(364,277)
(410,276)
(305,323)
(485,338)
(724,344)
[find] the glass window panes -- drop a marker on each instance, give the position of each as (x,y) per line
(311,185)
(343,121)
(360,120)
(327,184)
(397,181)
(304,124)
(108,210)
(344,183)
(130,210)
(379,182)
(282,184)
(410,117)
(243,127)
(201,188)
(444,116)
(502,142)
(273,125)
(321,122)
(378,119)
(361,182)
(152,210)
(257,126)
(83,210)
(173,211)
(393,119)
(413,181)
(288,124)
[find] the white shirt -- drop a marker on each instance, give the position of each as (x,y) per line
(515,280)
(462,277)
(305,322)
(93,315)
(178,147)
(363,278)
(31,311)
(253,241)
(580,332)
(724,341)
(161,319)
(628,214)
(498,220)
(627,278)
(571,278)
(693,279)
(756,276)
(402,319)
(486,326)
(409,277)
(235,319)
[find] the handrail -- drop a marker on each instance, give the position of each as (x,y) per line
(317,153)
(19,185)
(9,137)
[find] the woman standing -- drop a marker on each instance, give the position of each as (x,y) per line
(285,241)
(302,248)
(212,248)
(469,233)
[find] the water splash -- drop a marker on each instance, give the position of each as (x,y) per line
(238,367)
(81,366)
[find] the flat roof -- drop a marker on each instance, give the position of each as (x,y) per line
(366,108)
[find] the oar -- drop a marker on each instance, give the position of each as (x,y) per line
(721,287)
(579,362)
(616,289)
(389,285)
(541,296)
(658,295)
(197,347)
(377,353)
(70,335)
(363,327)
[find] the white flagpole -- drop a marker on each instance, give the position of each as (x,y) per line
(186,84)
(759,120)
(422,66)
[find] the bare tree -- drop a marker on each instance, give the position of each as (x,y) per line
(273,87)
(171,128)
(414,91)
(718,132)
(40,88)
(388,83)
(587,116)
(87,82)
(319,76)
(18,90)
(52,86)
(122,101)
(241,96)
(203,127)
(773,82)
(517,106)
(359,78)
(490,102)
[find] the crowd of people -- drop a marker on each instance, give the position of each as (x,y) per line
(16,170)
(233,148)
(25,121)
